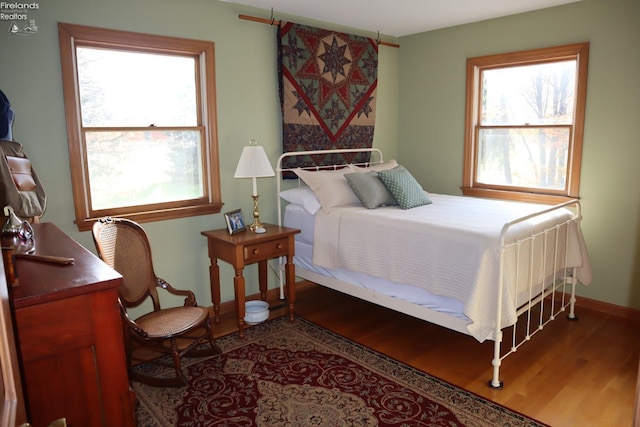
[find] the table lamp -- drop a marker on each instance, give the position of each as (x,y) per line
(253,164)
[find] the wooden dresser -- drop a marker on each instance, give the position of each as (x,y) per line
(70,336)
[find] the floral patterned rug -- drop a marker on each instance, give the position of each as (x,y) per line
(298,374)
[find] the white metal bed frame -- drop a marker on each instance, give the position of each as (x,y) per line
(554,293)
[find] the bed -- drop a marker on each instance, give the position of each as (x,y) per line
(472,265)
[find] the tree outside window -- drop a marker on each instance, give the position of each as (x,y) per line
(525,115)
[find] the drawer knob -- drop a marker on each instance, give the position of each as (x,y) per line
(279,246)
(255,251)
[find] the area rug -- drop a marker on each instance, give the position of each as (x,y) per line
(298,374)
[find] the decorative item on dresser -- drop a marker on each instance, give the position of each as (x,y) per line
(70,335)
(473,265)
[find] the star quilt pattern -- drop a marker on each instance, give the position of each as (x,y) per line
(328,84)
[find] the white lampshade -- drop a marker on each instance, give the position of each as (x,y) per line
(253,163)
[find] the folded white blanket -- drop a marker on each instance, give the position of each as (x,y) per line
(450,247)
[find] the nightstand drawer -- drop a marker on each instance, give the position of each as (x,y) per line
(265,250)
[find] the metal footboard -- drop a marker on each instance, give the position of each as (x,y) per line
(550,266)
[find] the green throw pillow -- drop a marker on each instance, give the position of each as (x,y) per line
(369,189)
(404,187)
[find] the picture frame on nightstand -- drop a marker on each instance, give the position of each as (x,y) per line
(235,221)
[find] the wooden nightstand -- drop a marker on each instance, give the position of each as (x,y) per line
(247,248)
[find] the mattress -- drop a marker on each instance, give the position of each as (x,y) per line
(297,217)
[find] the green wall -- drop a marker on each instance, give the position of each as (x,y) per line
(247,101)
(432,100)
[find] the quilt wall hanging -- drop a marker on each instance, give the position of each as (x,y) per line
(328,84)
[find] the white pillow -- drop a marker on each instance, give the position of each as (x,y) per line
(330,187)
(302,196)
(389,164)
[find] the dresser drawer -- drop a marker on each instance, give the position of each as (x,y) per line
(265,250)
(59,326)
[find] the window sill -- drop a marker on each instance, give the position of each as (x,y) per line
(518,196)
(85,224)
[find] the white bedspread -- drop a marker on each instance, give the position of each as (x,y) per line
(450,247)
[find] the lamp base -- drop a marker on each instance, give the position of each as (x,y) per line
(256,226)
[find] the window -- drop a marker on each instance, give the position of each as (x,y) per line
(524,124)
(141,124)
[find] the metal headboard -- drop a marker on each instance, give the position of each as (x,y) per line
(375,158)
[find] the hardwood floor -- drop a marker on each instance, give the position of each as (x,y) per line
(571,374)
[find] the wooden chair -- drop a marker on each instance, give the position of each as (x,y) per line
(177,331)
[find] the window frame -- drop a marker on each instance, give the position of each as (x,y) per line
(72,36)
(470,187)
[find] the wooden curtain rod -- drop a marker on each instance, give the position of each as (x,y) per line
(276,22)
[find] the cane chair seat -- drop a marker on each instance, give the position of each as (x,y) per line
(124,245)
(172,322)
